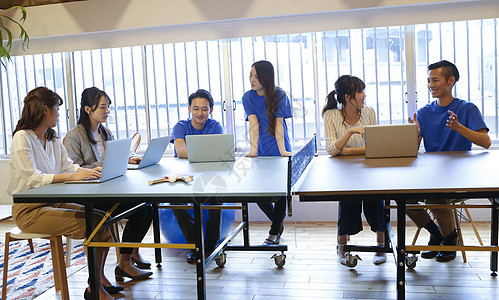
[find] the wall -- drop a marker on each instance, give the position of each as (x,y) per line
(97,24)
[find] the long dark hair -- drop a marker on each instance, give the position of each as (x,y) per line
(91,98)
(265,75)
(34,104)
(344,85)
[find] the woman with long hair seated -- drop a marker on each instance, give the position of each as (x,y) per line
(38,158)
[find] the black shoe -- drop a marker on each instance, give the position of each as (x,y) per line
(144,265)
(191,257)
(208,249)
(449,240)
(119,273)
(88,296)
(434,241)
(113,289)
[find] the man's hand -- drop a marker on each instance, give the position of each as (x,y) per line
(415,120)
(453,122)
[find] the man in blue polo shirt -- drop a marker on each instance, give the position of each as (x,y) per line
(446,124)
(200,106)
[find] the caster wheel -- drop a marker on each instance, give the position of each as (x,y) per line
(221,259)
(279,259)
(352,260)
(410,261)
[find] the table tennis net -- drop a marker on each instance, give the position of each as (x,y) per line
(301,159)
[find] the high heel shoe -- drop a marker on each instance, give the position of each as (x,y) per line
(119,273)
(112,289)
(141,264)
(88,296)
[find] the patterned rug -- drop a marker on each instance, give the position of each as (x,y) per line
(31,274)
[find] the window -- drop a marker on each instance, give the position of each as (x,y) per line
(150,85)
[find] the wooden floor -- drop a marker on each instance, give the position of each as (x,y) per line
(312,271)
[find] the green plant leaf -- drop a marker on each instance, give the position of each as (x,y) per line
(5,49)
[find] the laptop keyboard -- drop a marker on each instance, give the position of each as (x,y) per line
(133,167)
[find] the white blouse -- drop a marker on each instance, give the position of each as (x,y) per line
(336,128)
(33,166)
(99,145)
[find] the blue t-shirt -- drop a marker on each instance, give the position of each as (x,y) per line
(255,105)
(184,127)
(437,136)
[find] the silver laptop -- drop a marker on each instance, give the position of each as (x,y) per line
(153,153)
(115,161)
(391,140)
(210,147)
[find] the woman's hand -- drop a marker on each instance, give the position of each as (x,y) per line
(134,160)
(286,154)
(83,173)
(356,130)
(251,154)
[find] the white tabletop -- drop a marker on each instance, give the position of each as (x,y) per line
(246,177)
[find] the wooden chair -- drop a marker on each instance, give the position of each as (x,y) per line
(458,216)
(60,278)
(135,141)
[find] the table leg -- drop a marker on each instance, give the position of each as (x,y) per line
(494,236)
(200,266)
(400,249)
(156,233)
(245,219)
(92,255)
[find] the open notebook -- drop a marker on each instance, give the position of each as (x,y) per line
(115,161)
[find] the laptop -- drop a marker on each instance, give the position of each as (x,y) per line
(210,147)
(115,161)
(153,153)
(391,140)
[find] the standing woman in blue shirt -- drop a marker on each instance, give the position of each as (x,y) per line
(266,107)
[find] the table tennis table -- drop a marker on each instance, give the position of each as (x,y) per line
(242,181)
(435,175)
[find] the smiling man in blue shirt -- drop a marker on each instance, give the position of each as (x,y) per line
(446,124)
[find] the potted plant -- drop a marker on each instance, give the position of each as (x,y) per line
(6,46)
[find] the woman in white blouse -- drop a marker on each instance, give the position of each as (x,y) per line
(38,158)
(345,117)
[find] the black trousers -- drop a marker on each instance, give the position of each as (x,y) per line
(137,225)
(276,212)
(186,223)
(350,222)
